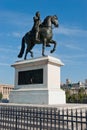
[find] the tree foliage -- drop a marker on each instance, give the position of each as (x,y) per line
(0,96)
(80,97)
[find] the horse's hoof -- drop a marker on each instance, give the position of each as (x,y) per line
(19,56)
(24,58)
(52,51)
(32,56)
(43,55)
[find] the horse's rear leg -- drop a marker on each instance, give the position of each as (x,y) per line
(26,54)
(31,54)
(32,45)
(29,50)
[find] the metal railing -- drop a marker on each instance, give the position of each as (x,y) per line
(41,118)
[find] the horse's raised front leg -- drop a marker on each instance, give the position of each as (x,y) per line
(54,48)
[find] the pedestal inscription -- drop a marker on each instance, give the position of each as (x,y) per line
(30,77)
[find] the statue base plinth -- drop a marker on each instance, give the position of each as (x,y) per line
(37,81)
(38,96)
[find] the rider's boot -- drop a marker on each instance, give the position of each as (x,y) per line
(36,38)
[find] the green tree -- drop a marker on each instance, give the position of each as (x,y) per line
(0,96)
(81,95)
(68,96)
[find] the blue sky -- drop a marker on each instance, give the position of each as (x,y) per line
(16,18)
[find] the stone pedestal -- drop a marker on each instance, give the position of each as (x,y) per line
(37,81)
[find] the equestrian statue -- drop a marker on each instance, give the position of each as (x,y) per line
(41,33)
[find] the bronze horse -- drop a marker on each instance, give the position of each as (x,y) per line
(45,36)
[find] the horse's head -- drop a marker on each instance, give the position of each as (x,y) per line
(54,20)
(50,20)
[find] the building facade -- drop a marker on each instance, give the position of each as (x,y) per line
(5,90)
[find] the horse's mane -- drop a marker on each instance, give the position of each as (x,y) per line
(45,21)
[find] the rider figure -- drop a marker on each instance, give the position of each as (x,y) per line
(37,22)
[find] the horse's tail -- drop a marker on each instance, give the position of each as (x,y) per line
(22,48)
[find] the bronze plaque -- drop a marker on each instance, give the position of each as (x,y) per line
(30,77)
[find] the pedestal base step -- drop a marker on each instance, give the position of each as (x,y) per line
(37,96)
